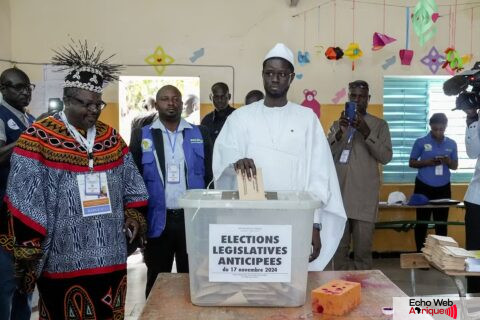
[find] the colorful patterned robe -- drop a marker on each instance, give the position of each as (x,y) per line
(80,262)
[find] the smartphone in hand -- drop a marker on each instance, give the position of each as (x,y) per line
(439,159)
(350,111)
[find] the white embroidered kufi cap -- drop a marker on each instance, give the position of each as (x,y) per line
(281,51)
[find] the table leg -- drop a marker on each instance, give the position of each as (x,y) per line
(412,280)
(460,286)
(463,301)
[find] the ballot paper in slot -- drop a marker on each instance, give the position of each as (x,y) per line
(251,188)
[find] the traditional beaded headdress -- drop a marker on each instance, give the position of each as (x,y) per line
(87,69)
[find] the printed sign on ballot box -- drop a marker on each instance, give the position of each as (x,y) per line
(250,253)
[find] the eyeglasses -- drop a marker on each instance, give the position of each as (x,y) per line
(100,105)
(281,74)
(21,87)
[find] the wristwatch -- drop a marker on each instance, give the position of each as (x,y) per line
(317,226)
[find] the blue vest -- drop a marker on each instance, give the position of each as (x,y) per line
(193,150)
(12,134)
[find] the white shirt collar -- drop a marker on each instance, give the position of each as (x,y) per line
(157,124)
(274,109)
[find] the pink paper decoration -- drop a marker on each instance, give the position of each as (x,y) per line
(380,40)
(449,70)
(406,56)
(339,95)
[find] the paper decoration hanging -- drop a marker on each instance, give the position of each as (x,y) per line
(197,54)
(334,53)
(406,55)
(159,59)
(353,52)
(453,60)
(311,102)
(433,60)
(423,20)
(449,70)
(299,76)
(303,57)
(390,61)
(380,40)
(467,58)
(339,95)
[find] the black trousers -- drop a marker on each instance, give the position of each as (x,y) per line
(472,239)
(159,252)
(424,214)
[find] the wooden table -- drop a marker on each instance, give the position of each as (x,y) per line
(406,225)
(456,277)
(170,299)
(418,260)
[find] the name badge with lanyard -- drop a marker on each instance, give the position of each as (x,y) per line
(173,168)
(439,170)
(93,186)
(345,155)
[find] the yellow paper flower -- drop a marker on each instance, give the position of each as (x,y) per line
(353,51)
(159,59)
(467,58)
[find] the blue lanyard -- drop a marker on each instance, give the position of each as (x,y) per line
(351,131)
(172,146)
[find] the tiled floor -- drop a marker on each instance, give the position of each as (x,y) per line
(428,282)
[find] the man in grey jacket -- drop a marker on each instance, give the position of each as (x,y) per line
(358,145)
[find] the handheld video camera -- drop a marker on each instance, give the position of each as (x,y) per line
(460,85)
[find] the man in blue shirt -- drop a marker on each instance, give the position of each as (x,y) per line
(434,155)
(173,156)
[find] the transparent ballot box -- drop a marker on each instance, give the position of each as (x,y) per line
(248,253)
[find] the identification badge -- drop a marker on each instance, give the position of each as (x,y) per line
(173,173)
(93,184)
(94,194)
(344,156)
(439,170)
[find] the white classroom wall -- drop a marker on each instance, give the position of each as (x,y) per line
(236,33)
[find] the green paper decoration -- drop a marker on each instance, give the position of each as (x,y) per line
(453,60)
(422,21)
